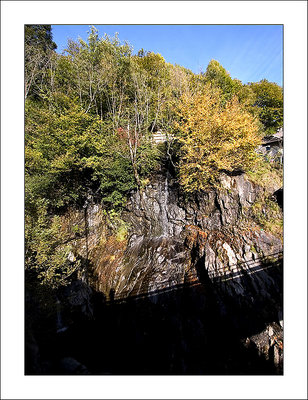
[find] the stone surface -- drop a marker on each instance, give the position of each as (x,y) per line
(173,236)
(173,239)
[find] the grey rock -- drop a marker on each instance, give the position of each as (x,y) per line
(174,238)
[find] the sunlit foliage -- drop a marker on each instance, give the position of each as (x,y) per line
(215,137)
(90,115)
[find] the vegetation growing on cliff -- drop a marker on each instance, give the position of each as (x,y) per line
(265,210)
(90,114)
(214,137)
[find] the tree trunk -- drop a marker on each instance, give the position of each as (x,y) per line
(132,152)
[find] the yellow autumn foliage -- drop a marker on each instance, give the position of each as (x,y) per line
(214,137)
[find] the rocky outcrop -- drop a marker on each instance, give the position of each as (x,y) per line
(196,266)
(269,343)
(173,238)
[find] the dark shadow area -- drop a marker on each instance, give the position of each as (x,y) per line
(196,328)
(235,172)
(278,195)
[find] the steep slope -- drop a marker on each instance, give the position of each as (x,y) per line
(180,285)
(173,238)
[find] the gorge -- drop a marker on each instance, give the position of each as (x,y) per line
(181,284)
(153,214)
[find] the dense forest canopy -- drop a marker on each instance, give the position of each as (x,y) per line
(90,114)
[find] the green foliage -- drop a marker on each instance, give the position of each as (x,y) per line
(58,144)
(148,158)
(116,177)
(118,225)
(217,76)
(39,48)
(44,251)
(266,175)
(39,36)
(263,99)
(89,118)
(267,213)
(269,102)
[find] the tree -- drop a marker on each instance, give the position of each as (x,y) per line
(214,138)
(59,141)
(148,93)
(89,118)
(39,48)
(269,102)
(218,77)
(45,252)
(39,36)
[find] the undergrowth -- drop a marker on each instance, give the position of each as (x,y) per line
(266,175)
(267,213)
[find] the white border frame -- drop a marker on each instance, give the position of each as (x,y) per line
(13,17)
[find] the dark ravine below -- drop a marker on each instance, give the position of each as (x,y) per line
(195,288)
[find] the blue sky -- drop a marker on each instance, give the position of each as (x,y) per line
(249,52)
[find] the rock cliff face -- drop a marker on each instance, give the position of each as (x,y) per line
(173,239)
(193,287)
